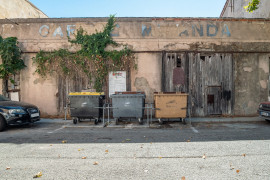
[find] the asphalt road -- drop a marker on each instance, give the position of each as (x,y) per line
(61,150)
(55,131)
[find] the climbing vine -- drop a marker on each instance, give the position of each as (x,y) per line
(252,6)
(10,54)
(92,60)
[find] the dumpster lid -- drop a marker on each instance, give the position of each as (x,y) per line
(130,92)
(86,93)
(169,93)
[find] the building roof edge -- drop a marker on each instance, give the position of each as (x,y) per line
(224,8)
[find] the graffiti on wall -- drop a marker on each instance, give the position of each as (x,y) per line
(208,30)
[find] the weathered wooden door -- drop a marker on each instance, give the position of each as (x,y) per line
(208,81)
(175,72)
(213,96)
(211,84)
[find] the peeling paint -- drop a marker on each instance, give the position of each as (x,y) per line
(141,84)
(170,45)
(263,84)
(264,66)
(70,29)
(115,33)
(226,31)
(252,104)
(199,30)
(44,30)
(39,81)
(146,31)
(214,30)
(242,91)
(248,69)
(58,31)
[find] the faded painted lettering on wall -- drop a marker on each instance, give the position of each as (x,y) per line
(192,30)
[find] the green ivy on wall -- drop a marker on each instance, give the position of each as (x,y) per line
(252,6)
(92,60)
(11,58)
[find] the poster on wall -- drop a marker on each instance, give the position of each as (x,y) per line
(117,82)
(14,96)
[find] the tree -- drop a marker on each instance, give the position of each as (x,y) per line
(12,63)
(252,6)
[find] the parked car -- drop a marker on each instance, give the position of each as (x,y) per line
(16,113)
(264,110)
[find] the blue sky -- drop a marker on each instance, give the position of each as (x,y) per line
(130,8)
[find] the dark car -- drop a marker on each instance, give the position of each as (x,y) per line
(16,113)
(264,110)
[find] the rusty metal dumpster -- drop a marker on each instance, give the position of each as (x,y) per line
(86,105)
(128,105)
(170,105)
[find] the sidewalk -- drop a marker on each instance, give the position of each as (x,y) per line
(225,119)
(134,123)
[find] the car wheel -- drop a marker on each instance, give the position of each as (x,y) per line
(268,120)
(184,121)
(140,121)
(116,121)
(75,121)
(3,124)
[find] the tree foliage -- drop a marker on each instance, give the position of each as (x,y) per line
(252,6)
(11,57)
(92,60)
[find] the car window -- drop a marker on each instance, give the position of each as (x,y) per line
(3,98)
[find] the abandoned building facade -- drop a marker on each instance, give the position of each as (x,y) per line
(225,60)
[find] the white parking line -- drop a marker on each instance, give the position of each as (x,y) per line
(194,130)
(50,132)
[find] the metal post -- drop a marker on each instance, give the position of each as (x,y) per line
(147,113)
(151,114)
(65,112)
(108,113)
(103,114)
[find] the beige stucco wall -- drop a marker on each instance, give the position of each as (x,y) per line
(19,9)
(142,34)
(251,82)
(148,38)
(37,90)
(147,77)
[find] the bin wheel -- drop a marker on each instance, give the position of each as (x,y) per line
(75,121)
(96,121)
(116,121)
(184,120)
(160,121)
(3,123)
(140,121)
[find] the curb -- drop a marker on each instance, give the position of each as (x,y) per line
(224,119)
(193,120)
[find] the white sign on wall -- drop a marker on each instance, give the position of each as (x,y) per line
(117,82)
(14,96)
